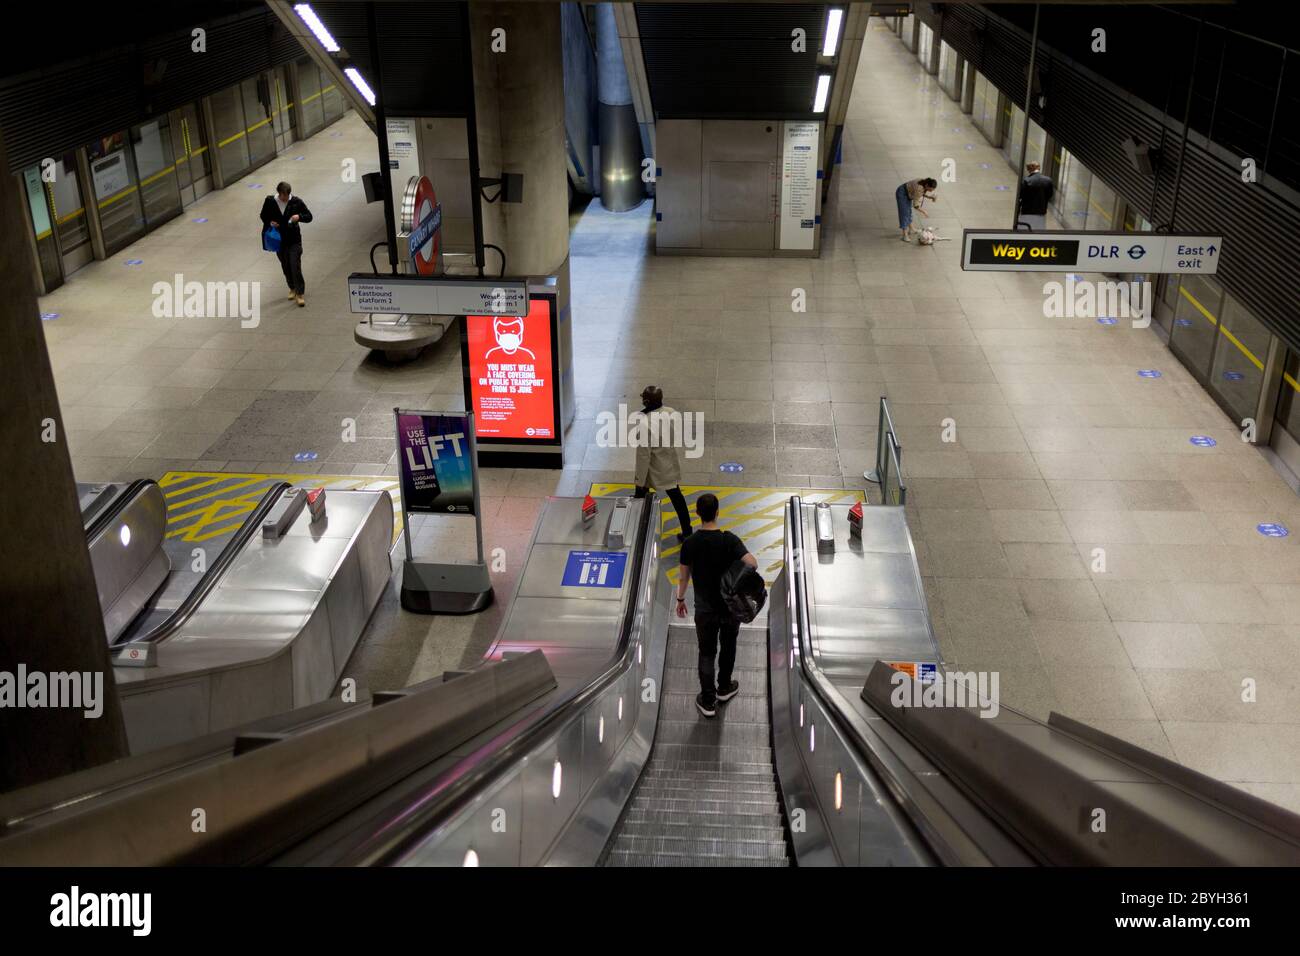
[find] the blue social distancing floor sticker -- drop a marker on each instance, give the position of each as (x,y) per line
(594,569)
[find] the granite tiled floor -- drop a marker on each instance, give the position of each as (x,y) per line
(1063,455)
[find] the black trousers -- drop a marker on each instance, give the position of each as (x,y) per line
(712,629)
(291,262)
(679,503)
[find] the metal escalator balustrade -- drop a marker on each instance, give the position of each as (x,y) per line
(547,788)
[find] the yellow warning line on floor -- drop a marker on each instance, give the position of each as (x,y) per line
(756,515)
(202,505)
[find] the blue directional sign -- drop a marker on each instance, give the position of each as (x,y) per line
(731,467)
(1183,323)
(134,262)
(594,569)
(306,456)
(1273,530)
(1106,320)
(1202,441)
(49,316)
(201,219)
(1149,372)
(1233,376)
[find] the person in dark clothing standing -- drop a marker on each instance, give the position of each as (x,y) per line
(285,211)
(706,556)
(1035,194)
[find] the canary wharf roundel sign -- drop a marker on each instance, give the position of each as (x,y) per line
(422,222)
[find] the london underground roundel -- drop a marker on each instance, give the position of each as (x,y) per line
(425,226)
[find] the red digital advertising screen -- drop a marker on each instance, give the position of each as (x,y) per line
(510,374)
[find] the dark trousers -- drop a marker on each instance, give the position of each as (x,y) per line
(679,503)
(291,262)
(712,629)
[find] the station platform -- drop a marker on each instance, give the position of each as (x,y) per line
(1062,448)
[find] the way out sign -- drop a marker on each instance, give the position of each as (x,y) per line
(1114,252)
(594,569)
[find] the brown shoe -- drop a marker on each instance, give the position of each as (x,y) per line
(301,301)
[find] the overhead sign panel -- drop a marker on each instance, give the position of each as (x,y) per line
(1116,252)
(440,295)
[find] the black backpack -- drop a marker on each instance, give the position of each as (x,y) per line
(743,591)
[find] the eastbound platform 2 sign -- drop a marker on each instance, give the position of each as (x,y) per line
(1118,252)
(436,295)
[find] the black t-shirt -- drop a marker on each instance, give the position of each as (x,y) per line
(708,554)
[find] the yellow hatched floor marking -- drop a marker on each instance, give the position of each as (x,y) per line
(228,497)
(744,509)
(222,490)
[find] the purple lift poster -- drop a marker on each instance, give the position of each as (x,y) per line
(435,462)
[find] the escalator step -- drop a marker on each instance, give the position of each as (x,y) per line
(705,784)
(729,832)
(668,754)
(700,848)
(697,808)
(749,706)
(683,680)
(626,858)
(721,734)
(748,637)
(687,654)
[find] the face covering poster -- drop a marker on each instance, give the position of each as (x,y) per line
(510,374)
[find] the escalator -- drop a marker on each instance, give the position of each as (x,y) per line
(149,584)
(577,743)
(708,795)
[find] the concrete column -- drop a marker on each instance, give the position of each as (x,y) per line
(519,106)
(620,137)
(51,620)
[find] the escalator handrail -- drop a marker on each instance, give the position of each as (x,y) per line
(392,832)
(216,570)
(110,514)
(891,770)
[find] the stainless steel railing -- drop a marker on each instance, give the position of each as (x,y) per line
(888,472)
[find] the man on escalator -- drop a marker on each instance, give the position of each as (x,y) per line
(706,556)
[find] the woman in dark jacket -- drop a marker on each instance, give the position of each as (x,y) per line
(285,211)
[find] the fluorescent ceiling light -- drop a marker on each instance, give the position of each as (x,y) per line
(359,82)
(832,41)
(308,16)
(823,90)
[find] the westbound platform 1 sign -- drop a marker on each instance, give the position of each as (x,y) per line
(436,295)
(1008,250)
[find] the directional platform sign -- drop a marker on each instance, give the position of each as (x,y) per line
(594,569)
(436,295)
(1118,252)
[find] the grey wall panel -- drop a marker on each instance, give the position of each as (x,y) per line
(677,194)
(740,176)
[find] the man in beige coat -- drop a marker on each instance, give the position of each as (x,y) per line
(657,463)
